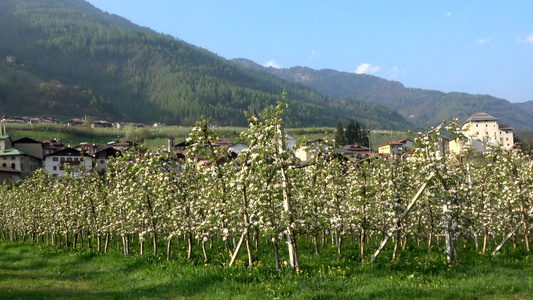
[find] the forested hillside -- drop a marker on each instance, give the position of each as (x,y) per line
(424,108)
(73,59)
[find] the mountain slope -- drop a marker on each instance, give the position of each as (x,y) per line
(139,75)
(424,108)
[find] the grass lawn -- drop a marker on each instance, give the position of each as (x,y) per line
(36,271)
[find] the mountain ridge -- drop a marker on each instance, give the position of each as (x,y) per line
(147,76)
(424,108)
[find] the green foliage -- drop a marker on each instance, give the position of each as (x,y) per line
(353,134)
(340,136)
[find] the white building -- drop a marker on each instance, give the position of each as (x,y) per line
(18,159)
(56,162)
(484,131)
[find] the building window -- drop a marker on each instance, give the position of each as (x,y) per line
(75,159)
(55,159)
(55,168)
(12,158)
(477,125)
(507,140)
(69,159)
(13,165)
(102,161)
(4,165)
(62,159)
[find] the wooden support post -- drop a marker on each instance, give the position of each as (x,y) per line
(510,234)
(400,219)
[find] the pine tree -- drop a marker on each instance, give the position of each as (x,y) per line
(351,133)
(358,133)
(364,139)
(340,137)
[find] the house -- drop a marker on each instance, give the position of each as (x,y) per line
(119,125)
(390,148)
(237,148)
(16,164)
(290,141)
(88,148)
(102,157)
(74,122)
(361,151)
(124,145)
(56,163)
(102,124)
(51,146)
(30,146)
(305,153)
(393,148)
(483,131)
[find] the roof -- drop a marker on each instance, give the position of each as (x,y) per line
(107,152)
(68,152)
(504,127)
(14,152)
(26,140)
(8,170)
(391,144)
(480,117)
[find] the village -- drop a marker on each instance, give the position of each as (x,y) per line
(20,158)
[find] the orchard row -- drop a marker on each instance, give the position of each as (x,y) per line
(266,193)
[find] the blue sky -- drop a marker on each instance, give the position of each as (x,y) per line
(477,47)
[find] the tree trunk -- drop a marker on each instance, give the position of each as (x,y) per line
(189,241)
(362,243)
(315,242)
(169,247)
(276,254)
(526,226)
(339,245)
(154,241)
(206,259)
(106,246)
(485,242)
(126,244)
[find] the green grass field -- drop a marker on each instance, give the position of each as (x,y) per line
(36,271)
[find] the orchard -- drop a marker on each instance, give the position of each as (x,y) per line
(265,197)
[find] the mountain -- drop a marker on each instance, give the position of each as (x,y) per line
(423,108)
(68,58)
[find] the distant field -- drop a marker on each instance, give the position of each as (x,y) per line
(155,137)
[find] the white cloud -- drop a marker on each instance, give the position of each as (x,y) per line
(482,41)
(394,73)
(529,39)
(272,64)
(448,14)
(367,69)
(313,54)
